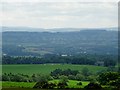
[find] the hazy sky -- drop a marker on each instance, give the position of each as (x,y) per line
(59,14)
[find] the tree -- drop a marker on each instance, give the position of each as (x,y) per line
(56,72)
(63,81)
(80,77)
(42,82)
(71,77)
(110,62)
(92,78)
(85,71)
(93,86)
(79,83)
(5,77)
(108,78)
(112,69)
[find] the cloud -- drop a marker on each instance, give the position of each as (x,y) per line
(60,1)
(62,14)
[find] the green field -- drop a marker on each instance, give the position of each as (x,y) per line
(46,68)
(71,84)
(18,84)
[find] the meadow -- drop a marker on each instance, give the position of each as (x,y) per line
(30,69)
(71,84)
(46,68)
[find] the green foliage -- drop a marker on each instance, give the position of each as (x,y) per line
(109,78)
(5,77)
(85,71)
(79,83)
(25,78)
(109,62)
(61,85)
(80,77)
(58,72)
(71,77)
(92,78)
(43,83)
(40,77)
(15,77)
(75,59)
(112,69)
(46,69)
(93,86)
(63,79)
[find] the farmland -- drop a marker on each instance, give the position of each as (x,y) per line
(46,68)
(18,84)
(71,84)
(44,59)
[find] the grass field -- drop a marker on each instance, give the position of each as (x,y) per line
(29,86)
(46,68)
(71,84)
(18,84)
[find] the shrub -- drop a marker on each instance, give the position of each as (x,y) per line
(94,86)
(71,77)
(80,77)
(79,83)
(5,78)
(108,77)
(41,85)
(63,79)
(44,85)
(61,85)
(92,78)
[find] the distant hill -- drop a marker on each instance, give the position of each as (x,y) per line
(30,29)
(87,41)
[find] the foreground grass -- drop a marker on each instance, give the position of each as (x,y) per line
(71,84)
(18,84)
(46,68)
(29,86)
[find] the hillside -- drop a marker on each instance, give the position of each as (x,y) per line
(61,43)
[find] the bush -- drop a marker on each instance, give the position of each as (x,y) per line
(61,85)
(94,86)
(63,79)
(18,78)
(58,72)
(5,78)
(63,82)
(41,85)
(92,78)
(108,77)
(51,85)
(80,77)
(44,85)
(71,77)
(79,83)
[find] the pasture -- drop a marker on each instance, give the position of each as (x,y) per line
(46,68)
(71,84)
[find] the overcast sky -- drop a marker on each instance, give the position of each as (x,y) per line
(59,15)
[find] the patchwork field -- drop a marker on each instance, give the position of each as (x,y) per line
(46,68)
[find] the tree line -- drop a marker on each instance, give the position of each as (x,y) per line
(107,60)
(84,75)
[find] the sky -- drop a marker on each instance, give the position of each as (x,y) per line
(59,14)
